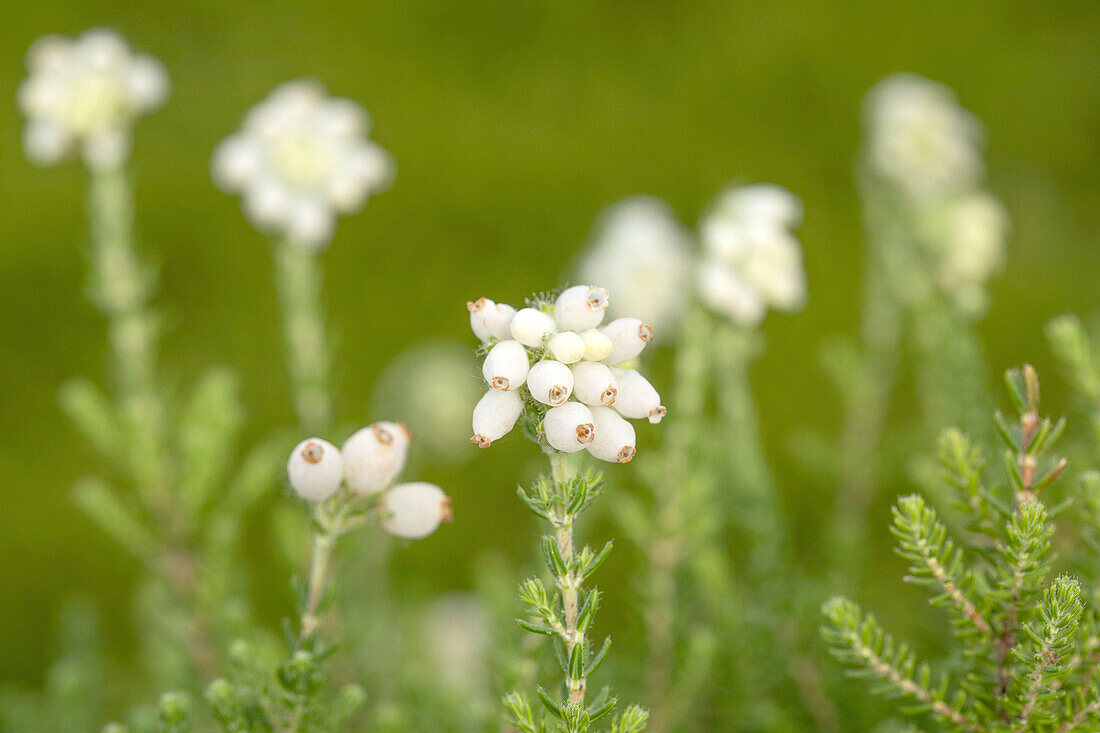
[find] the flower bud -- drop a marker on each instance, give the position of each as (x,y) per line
(594,384)
(530,326)
(569,427)
(413,511)
(550,382)
(628,337)
(637,397)
(489,319)
(615,438)
(580,307)
(495,415)
(566,346)
(506,366)
(315,469)
(374,456)
(596,345)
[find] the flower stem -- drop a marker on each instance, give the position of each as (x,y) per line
(323,543)
(298,278)
(569,583)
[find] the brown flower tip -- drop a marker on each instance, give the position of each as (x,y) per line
(405,429)
(385,437)
(557,395)
(475,305)
(626,455)
(481,441)
(501,383)
(657,414)
(586,433)
(313,452)
(608,395)
(645,332)
(446,511)
(597,299)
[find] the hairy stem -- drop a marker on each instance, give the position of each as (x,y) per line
(569,583)
(299,280)
(323,543)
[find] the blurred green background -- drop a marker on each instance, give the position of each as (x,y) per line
(513,124)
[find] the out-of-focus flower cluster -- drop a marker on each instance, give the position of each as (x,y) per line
(554,363)
(748,260)
(366,468)
(82,94)
(927,150)
(301,159)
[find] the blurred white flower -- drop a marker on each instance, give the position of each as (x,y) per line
(82,94)
(971,230)
(750,260)
(300,159)
(920,139)
(642,254)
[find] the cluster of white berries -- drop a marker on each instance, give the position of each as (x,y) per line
(751,261)
(367,466)
(300,159)
(563,359)
(929,150)
(82,94)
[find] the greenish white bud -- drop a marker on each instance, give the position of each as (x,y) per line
(566,347)
(628,337)
(489,319)
(637,397)
(506,366)
(374,456)
(315,469)
(495,415)
(580,307)
(531,327)
(596,345)
(550,382)
(615,439)
(413,511)
(594,384)
(569,427)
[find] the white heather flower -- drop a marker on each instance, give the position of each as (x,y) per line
(566,347)
(569,427)
(637,398)
(300,159)
(413,511)
(920,139)
(489,319)
(374,456)
(580,308)
(506,366)
(615,439)
(594,384)
(550,382)
(315,469)
(971,231)
(751,261)
(596,345)
(495,415)
(531,326)
(642,254)
(628,337)
(82,95)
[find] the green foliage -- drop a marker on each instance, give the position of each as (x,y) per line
(1021,638)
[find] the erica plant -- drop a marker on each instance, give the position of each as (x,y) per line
(552,368)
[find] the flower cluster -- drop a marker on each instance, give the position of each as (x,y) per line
(300,159)
(554,362)
(751,261)
(82,94)
(366,467)
(928,150)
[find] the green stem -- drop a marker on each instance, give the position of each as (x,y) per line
(323,544)
(299,280)
(569,583)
